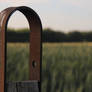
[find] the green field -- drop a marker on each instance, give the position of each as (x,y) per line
(66,67)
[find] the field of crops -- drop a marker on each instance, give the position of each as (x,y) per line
(66,67)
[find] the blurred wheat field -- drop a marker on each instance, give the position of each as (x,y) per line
(66,67)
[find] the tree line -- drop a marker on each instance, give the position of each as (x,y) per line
(49,35)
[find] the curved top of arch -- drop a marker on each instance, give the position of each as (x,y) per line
(35,37)
(18,21)
(32,17)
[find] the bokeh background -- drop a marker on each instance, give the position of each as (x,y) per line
(67,44)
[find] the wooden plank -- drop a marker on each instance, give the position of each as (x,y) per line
(23,86)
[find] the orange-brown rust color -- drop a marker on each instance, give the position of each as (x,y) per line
(35,43)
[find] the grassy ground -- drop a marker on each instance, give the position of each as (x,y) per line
(66,67)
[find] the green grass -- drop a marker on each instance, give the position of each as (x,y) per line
(66,67)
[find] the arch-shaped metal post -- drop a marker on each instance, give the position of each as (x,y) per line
(35,43)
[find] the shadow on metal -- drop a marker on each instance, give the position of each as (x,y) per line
(35,49)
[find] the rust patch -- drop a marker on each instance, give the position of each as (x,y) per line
(35,43)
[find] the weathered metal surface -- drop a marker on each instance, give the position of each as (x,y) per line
(35,43)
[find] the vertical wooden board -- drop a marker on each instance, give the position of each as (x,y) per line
(11,87)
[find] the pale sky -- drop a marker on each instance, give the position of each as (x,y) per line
(61,15)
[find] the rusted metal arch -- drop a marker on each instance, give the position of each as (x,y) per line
(35,42)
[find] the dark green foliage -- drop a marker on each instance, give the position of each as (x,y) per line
(49,35)
(21,35)
(75,36)
(52,36)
